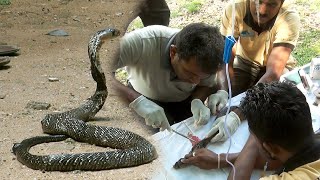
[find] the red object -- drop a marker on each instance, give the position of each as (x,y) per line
(195,138)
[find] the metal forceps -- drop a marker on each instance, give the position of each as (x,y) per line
(180,134)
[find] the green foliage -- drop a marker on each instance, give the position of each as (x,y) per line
(313,4)
(308,48)
(193,6)
(175,14)
(135,24)
(5,2)
(121,75)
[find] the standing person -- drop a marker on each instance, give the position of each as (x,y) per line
(265,37)
(171,72)
(281,137)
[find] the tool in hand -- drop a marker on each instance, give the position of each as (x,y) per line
(183,135)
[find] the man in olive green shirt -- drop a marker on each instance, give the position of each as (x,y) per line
(265,37)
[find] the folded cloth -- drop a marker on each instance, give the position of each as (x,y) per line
(8,50)
(4,60)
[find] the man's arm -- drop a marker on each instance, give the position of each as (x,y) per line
(153,114)
(206,159)
(222,83)
(287,31)
(249,159)
(246,160)
(126,93)
(276,62)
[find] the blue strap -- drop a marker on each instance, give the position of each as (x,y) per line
(229,42)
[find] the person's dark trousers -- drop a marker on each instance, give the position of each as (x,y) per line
(155,12)
(175,111)
(246,74)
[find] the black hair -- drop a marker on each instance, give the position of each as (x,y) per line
(202,41)
(278,113)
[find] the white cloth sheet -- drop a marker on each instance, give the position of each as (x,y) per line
(172,147)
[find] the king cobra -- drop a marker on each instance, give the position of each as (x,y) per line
(130,148)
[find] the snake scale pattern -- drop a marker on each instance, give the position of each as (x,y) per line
(130,148)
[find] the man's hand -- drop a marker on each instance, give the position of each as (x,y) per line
(152,113)
(217,101)
(201,113)
(233,122)
(204,159)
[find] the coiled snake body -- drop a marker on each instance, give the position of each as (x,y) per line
(131,149)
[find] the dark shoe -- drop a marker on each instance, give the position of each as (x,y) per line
(6,50)
(4,60)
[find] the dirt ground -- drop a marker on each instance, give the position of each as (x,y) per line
(41,57)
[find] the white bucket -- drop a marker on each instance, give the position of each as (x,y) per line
(315,68)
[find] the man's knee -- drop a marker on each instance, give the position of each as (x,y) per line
(241,81)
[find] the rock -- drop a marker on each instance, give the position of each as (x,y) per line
(58,32)
(38,105)
(53,79)
(2,96)
(75,18)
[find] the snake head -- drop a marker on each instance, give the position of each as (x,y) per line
(115,32)
(15,147)
(179,164)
